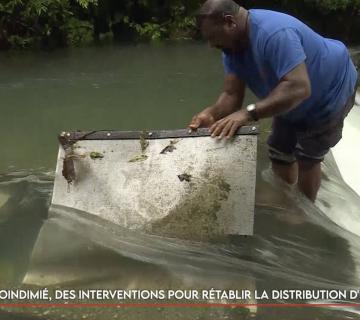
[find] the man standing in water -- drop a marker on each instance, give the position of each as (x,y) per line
(304,81)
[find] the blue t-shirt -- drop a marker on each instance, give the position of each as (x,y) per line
(279,43)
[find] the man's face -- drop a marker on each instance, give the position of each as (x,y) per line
(220,34)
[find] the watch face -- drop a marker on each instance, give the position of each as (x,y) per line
(251,107)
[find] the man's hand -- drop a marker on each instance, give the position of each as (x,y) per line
(228,126)
(202,120)
(228,102)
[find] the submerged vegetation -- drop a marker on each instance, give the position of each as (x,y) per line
(54,23)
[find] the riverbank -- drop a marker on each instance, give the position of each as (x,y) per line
(52,24)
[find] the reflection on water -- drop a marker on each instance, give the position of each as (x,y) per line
(296,244)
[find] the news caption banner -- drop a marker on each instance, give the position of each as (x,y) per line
(76,297)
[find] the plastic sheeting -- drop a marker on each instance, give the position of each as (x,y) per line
(296,245)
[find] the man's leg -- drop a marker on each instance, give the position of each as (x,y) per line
(282,143)
(309,178)
(288,172)
(314,145)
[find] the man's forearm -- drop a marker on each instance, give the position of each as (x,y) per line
(286,96)
(225,105)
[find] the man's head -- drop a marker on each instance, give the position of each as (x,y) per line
(223,24)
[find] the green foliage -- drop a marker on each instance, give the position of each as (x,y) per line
(154,19)
(333,5)
(77,31)
(324,6)
(29,23)
(52,23)
(19,42)
(85,3)
(148,30)
(182,25)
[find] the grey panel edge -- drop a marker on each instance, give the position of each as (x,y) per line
(148,134)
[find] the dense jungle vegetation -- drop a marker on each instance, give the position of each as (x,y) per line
(59,23)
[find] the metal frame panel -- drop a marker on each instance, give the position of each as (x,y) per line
(193,187)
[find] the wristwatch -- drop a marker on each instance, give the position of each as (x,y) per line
(251,109)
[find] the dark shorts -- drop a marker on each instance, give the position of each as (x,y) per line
(289,142)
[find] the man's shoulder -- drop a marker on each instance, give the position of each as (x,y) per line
(266,23)
(273,17)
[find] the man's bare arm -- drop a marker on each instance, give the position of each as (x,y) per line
(231,99)
(293,89)
(228,102)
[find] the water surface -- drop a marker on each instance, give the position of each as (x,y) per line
(296,244)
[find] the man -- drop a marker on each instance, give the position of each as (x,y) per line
(306,82)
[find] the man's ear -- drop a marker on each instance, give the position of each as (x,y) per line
(229,20)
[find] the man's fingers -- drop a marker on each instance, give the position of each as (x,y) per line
(219,127)
(215,125)
(195,123)
(212,128)
(226,130)
(233,130)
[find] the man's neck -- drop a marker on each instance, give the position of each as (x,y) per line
(242,19)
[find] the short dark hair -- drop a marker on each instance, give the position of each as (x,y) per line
(217,9)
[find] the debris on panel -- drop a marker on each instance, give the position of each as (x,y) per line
(96,155)
(68,171)
(143,142)
(195,217)
(170,148)
(185,177)
(74,156)
(139,158)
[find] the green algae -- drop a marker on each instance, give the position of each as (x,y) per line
(139,158)
(96,155)
(196,216)
(144,144)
